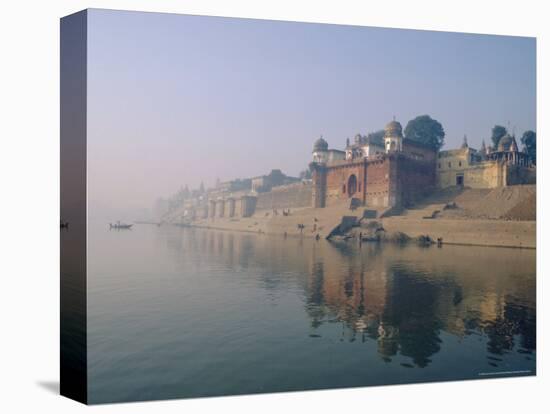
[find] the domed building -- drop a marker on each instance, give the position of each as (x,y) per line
(320,145)
(505,143)
(394,128)
(393,136)
(364,146)
(382,169)
(507,152)
(322,154)
(486,168)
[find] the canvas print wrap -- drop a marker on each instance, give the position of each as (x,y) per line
(252,206)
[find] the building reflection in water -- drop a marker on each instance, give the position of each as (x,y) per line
(406,298)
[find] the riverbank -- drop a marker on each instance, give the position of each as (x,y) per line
(496,233)
(473,232)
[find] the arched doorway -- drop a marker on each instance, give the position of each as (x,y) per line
(352,185)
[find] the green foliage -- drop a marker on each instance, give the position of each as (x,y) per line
(426,130)
(376,137)
(497,133)
(529,141)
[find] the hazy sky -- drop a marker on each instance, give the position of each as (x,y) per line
(174,99)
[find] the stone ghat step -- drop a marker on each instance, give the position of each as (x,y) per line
(315,220)
(429,211)
(473,203)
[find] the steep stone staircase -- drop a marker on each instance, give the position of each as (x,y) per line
(315,220)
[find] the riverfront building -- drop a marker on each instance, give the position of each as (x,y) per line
(389,172)
(485,168)
(380,171)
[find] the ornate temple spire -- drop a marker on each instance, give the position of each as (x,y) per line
(465,142)
(514,146)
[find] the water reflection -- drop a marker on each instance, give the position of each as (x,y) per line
(402,297)
(276,314)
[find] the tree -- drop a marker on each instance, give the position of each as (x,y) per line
(376,136)
(426,130)
(497,133)
(529,141)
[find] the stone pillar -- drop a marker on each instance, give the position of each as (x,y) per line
(230,207)
(238,206)
(319,190)
(364,183)
(394,182)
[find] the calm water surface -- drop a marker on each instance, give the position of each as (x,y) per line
(187,312)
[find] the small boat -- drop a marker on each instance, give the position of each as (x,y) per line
(120,226)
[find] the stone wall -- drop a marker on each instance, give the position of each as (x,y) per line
(338,179)
(239,206)
(488,174)
(415,180)
(418,151)
(319,186)
(286,196)
(248,205)
(378,183)
(520,175)
(391,180)
(202,212)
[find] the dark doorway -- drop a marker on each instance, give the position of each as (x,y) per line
(460,180)
(352,185)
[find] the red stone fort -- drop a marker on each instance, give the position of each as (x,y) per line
(378,172)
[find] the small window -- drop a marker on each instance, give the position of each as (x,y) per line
(449,165)
(359,188)
(439,165)
(460,163)
(344,189)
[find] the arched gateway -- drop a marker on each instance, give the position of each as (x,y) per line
(352,185)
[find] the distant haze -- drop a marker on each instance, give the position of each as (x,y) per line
(174,100)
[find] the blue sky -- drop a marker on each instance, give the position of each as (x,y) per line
(177,99)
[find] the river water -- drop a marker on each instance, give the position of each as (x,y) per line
(181,312)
